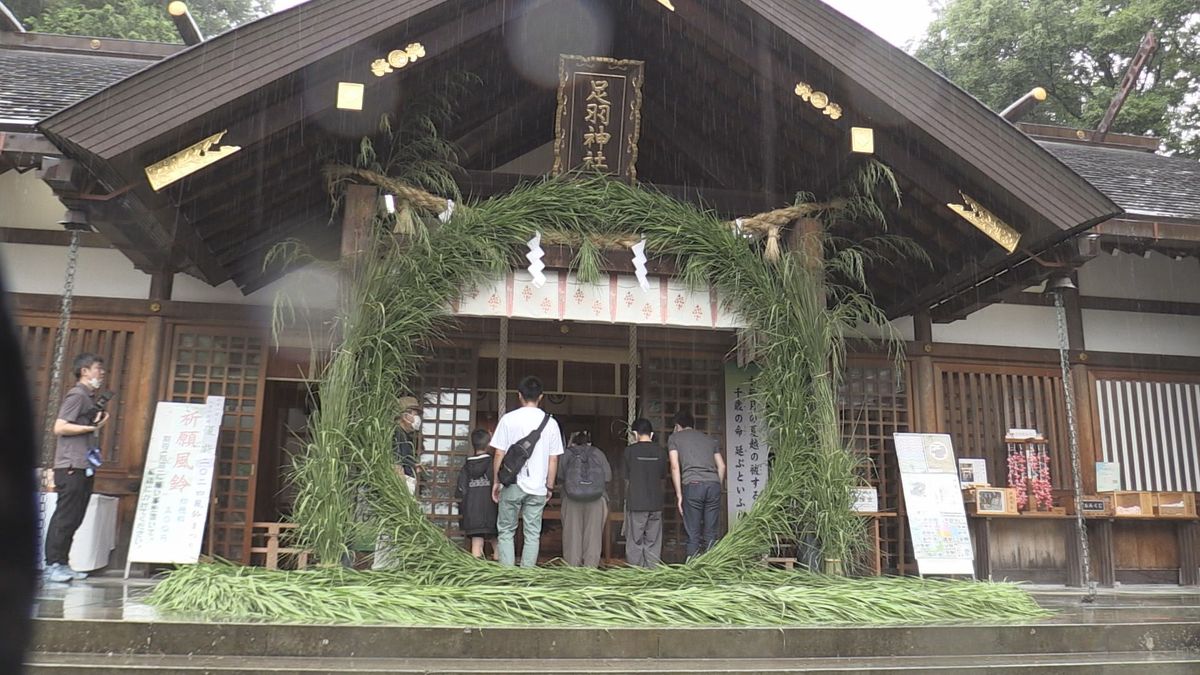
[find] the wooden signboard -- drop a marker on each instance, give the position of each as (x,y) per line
(599,115)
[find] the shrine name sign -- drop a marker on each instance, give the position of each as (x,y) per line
(599,115)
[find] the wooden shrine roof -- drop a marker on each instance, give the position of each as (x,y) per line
(1142,183)
(720,122)
(42,74)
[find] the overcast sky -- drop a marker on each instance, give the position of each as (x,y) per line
(898,21)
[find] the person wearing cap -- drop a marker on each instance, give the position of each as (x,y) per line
(404,458)
(408,439)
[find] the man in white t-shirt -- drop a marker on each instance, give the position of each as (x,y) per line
(526,497)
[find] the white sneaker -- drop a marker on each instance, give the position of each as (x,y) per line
(59,573)
(77,576)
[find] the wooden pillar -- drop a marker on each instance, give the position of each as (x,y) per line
(1189,552)
(923,385)
(360,203)
(1074,552)
(1101,549)
(1084,408)
(360,207)
(154,351)
(155,348)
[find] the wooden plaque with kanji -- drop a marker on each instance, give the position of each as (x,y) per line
(599,115)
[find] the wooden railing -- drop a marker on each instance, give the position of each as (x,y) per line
(267,550)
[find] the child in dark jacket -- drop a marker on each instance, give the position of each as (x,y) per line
(476,510)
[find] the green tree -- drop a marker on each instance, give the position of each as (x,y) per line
(133,19)
(128,19)
(1078,50)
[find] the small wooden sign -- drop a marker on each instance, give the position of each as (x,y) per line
(599,115)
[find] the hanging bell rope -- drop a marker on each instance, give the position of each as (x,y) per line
(60,347)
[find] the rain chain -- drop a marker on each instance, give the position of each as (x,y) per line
(1069,393)
(632,384)
(502,369)
(60,347)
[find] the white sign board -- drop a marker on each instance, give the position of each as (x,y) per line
(1108,476)
(937,520)
(173,501)
(972,471)
(864,500)
(745,441)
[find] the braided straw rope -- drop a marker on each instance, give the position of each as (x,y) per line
(768,223)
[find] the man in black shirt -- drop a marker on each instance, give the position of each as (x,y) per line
(645,468)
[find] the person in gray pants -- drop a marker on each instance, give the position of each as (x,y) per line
(645,467)
(698,471)
(585,474)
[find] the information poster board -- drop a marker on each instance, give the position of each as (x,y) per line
(937,520)
(745,440)
(1108,476)
(173,501)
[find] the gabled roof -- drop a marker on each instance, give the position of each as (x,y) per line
(42,73)
(718,113)
(1141,183)
(36,84)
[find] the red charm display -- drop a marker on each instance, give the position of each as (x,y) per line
(1029,473)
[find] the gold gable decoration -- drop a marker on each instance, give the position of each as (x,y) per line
(189,160)
(987,222)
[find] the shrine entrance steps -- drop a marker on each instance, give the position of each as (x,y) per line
(1152,633)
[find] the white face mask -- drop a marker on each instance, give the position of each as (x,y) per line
(95,382)
(416,421)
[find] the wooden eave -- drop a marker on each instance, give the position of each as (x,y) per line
(973,135)
(222,70)
(257,82)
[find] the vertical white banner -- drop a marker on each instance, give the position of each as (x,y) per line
(173,501)
(745,441)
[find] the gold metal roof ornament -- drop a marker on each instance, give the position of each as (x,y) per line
(189,160)
(398,58)
(987,222)
(819,100)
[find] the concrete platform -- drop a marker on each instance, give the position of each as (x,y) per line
(103,626)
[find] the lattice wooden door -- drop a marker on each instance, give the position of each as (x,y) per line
(230,363)
(672,382)
(117,342)
(447,391)
(873,405)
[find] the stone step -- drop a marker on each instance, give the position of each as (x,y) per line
(1148,663)
(1153,633)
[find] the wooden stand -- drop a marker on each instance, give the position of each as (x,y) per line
(1032,449)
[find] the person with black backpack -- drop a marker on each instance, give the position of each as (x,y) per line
(586,474)
(528,443)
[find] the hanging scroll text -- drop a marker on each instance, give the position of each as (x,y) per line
(599,115)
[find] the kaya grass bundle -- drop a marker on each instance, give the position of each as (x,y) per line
(801,301)
(560,596)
